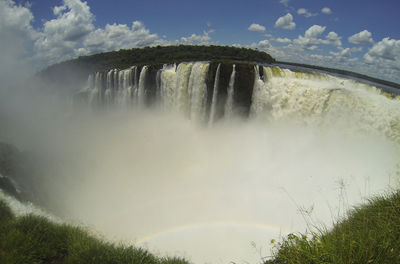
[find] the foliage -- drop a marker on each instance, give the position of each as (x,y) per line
(370,234)
(35,240)
(124,58)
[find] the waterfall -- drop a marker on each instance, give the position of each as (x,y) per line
(215,95)
(110,83)
(168,85)
(182,85)
(307,97)
(198,91)
(261,98)
(229,101)
(91,87)
(115,78)
(324,100)
(142,82)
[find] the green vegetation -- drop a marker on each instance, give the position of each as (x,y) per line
(370,234)
(80,68)
(35,240)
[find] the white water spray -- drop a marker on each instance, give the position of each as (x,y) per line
(229,100)
(215,95)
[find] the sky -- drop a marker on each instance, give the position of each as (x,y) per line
(357,35)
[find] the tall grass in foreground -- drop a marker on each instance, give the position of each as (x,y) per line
(33,240)
(369,234)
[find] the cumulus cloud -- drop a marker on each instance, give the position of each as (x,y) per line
(69,34)
(256,27)
(387,49)
(283,40)
(356,49)
(285,22)
(15,17)
(72,33)
(314,31)
(326,10)
(16,37)
(312,38)
(117,36)
(344,53)
(284,2)
(333,39)
(61,35)
(320,57)
(363,37)
(305,12)
(266,46)
(198,39)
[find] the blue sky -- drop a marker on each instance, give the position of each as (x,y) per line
(360,35)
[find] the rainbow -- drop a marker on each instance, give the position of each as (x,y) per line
(279,230)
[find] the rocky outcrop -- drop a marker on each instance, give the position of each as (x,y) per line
(9,168)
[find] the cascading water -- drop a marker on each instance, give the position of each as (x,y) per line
(316,98)
(308,97)
(261,99)
(198,91)
(141,90)
(214,96)
(182,83)
(231,90)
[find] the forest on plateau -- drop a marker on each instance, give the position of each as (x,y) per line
(80,68)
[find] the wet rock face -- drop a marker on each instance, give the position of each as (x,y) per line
(8,159)
(7,186)
(18,173)
(9,156)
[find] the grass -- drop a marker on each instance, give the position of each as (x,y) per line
(369,234)
(35,240)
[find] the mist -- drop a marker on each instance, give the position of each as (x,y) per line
(155,179)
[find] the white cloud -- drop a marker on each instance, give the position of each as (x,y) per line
(326,10)
(15,17)
(16,38)
(60,36)
(387,49)
(284,2)
(72,33)
(312,38)
(314,31)
(256,27)
(376,66)
(118,36)
(344,53)
(198,39)
(305,12)
(266,46)
(264,43)
(283,40)
(356,49)
(363,37)
(320,57)
(333,39)
(285,22)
